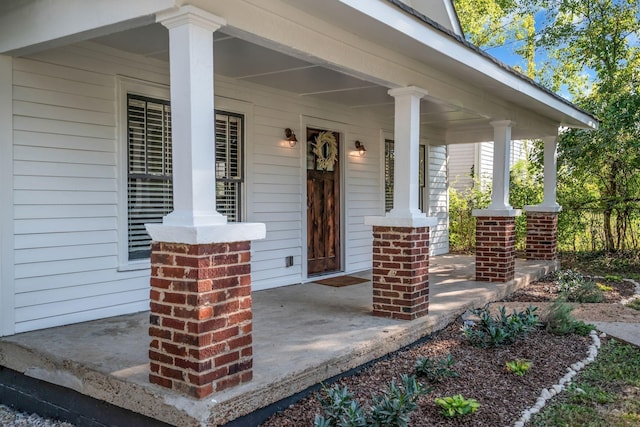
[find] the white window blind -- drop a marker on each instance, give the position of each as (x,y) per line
(229,173)
(150,187)
(388,175)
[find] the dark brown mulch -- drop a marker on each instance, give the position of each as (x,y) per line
(545,290)
(501,394)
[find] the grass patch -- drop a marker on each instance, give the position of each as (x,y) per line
(635,304)
(606,393)
(621,263)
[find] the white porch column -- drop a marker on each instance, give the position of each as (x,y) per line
(406,152)
(501,160)
(191,65)
(549,203)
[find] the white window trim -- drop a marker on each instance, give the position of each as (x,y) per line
(124,86)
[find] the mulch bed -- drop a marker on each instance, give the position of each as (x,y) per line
(482,373)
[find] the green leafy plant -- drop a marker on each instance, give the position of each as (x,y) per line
(340,410)
(559,320)
(519,366)
(392,408)
(456,405)
(502,329)
(436,370)
(575,287)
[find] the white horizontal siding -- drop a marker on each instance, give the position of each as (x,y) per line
(462,158)
(65,190)
(438,198)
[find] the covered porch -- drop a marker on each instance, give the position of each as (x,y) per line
(303,334)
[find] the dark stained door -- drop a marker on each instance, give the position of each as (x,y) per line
(323,201)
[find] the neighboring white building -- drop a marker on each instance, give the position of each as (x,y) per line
(85,136)
(478,157)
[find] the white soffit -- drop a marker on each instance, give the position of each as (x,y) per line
(404,33)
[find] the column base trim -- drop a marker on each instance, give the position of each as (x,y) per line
(225,233)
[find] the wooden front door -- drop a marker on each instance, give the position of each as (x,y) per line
(323,201)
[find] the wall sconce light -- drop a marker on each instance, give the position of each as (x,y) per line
(360,148)
(290,137)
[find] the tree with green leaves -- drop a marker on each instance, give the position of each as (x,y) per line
(589,51)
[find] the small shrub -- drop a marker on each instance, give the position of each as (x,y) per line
(340,410)
(575,287)
(392,408)
(603,287)
(519,367)
(502,329)
(568,280)
(588,292)
(559,320)
(613,278)
(436,370)
(635,304)
(456,406)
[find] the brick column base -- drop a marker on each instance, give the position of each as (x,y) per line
(542,236)
(495,248)
(201,319)
(400,272)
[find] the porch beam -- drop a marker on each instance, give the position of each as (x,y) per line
(56,23)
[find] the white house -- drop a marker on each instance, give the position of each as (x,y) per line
(120,113)
(475,161)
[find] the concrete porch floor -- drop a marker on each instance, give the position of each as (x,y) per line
(303,334)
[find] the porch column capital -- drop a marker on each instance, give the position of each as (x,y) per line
(408,91)
(191,67)
(501,164)
(190,15)
(406,152)
(498,124)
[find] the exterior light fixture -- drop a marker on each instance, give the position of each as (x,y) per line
(360,148)
(290,137)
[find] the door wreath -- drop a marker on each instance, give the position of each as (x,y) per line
(326,149)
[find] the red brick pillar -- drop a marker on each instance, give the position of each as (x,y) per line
(542,235)
(400,272)
(200,324)
(495,248)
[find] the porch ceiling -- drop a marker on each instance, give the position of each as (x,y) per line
(245,61)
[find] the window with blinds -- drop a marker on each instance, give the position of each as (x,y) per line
(229,173)
(149,188)
(388,175)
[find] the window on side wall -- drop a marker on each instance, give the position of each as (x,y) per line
(389,175)
(149,165)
